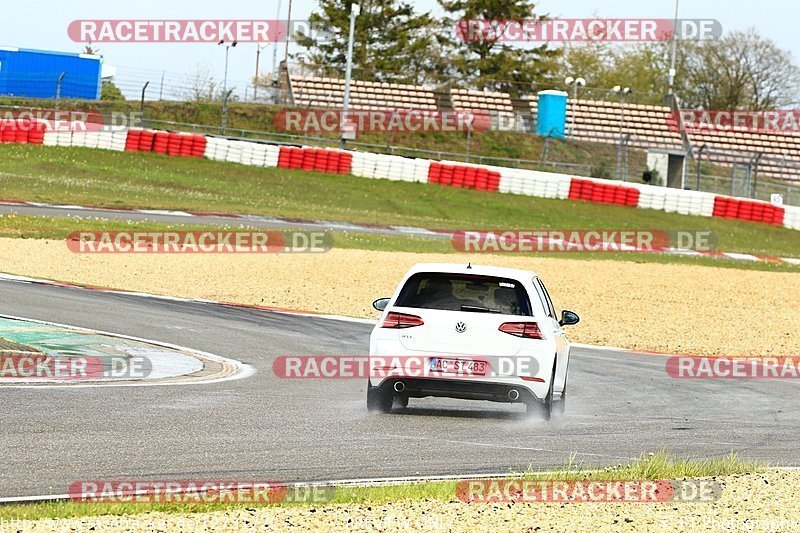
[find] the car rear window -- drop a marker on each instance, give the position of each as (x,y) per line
(459,292)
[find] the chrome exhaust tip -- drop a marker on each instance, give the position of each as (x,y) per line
(399,386)
(513,395)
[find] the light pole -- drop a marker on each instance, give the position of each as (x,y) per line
(227,49)
(674,52)
(575,82)
(288,34)
(355,9)
(622,91)
(275,46)
(259,46)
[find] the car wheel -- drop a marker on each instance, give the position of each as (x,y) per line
(401,401)
(560,405)
(543,408)
(379,399)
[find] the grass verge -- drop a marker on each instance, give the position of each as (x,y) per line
(57,228)
(650,466)
(120,179)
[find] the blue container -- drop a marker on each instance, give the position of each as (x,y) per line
(551,115)
(34,74)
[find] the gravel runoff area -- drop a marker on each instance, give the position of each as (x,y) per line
(683,309)
(749,502)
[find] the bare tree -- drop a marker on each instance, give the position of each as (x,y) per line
(91,50)
(202,84)
(742,70)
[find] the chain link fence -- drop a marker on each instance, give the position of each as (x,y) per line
(753,175)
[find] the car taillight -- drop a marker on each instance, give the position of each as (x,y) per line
(401,320)
(526,330)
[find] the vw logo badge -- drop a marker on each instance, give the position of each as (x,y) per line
(461,327)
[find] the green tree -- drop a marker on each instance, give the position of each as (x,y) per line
(392,42)
(109,91)
(742,70)
(487,63)
(642,67)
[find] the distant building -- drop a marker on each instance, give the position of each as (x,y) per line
(34,74)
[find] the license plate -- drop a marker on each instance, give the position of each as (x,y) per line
(458,366)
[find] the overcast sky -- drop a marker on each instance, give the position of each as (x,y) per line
(42,24)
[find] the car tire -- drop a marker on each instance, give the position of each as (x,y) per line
(379,399)
(542,408)
(560,405)
(401,401)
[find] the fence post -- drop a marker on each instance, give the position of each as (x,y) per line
(141,102)
(225,110)
(755,162)
(58,88)
(699,160)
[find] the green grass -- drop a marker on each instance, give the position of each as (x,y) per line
(491,147)
(653,466)
(120,179)
(30,227)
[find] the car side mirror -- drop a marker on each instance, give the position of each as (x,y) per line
(380,304)
(568,318)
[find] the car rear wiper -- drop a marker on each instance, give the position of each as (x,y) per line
(478,309)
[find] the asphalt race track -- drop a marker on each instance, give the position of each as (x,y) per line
(219,220)
(265,428)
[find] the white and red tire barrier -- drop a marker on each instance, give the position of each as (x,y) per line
(399,168)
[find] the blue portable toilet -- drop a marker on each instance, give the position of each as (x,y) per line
(551,115)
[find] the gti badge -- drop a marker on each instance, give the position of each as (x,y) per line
(461,327)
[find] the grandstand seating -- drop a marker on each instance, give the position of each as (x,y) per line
(477,101)
(597,120)
(649,126)
(329,92)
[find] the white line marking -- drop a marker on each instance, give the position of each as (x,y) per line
(358,482)
(340,225)
(599,347)
(742,257)
(164,212)
(413,230)
(681,251)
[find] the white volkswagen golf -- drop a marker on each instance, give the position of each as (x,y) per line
(470,332)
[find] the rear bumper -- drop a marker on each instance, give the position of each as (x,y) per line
(461,389)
